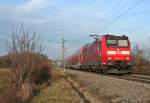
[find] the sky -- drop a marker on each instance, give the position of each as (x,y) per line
(75,20)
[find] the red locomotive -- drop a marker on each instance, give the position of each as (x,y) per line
(108,54)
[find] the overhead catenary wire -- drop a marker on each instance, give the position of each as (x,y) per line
(119,16)
(88,40)
(111,11)
(140,27)
(68,45)
(135,21)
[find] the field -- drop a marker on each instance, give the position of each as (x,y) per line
(76,88)
(59,91)
(4,79)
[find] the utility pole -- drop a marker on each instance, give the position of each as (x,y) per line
(64,48)
(63,54)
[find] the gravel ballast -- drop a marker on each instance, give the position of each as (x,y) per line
(113,90)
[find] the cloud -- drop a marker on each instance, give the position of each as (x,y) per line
(69,19)
(34,5)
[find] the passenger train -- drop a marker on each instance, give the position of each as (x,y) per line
(107,54)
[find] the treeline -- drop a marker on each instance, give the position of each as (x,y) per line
(5,61)
(141,60)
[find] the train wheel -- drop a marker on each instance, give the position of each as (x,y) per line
(130,70)
(90,68)
(80,68)
(101,71)
(97,71)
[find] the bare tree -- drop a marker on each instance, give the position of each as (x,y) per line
(138,55)
(23,50)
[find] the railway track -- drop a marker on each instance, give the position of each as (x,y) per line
(129,90)
(136,78)
(131,77)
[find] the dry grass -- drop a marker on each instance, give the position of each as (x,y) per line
(142,68)
(4,79)
(59,92)
(4,70)
(141,65)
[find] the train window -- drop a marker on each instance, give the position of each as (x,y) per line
(115,42)
(122,43)
(112,42)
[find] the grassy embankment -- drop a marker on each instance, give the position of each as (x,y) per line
(60,91)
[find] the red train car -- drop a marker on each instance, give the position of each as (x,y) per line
(108,54)
(75,61)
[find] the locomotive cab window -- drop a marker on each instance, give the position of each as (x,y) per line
(122,43)
(112,42)
(117,43)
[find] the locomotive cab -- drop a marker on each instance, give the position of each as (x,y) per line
(117,54)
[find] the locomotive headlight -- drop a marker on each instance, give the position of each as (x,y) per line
(127,58)
(109,58)
(111,52)
(125,52)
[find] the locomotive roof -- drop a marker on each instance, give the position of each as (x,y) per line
(108,36)
(115,37)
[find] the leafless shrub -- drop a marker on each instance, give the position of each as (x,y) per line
(141,62)
(138,55)
(25,52)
